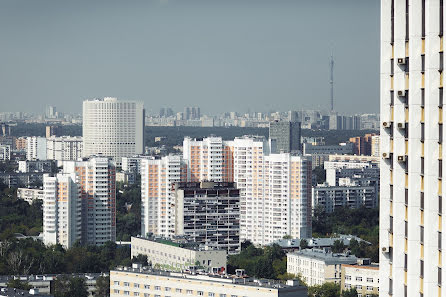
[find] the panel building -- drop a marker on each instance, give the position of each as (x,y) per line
(286,134)
(64,148)
(113,128)
(412,133)
(36,148)
(209,213)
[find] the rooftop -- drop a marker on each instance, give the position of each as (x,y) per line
(12,292)
(178,241)
(328,257)
(238,279)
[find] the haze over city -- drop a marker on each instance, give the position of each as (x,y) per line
(219,55)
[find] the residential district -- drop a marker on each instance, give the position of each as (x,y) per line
(303,203)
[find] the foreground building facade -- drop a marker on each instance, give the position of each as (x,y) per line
(411,209)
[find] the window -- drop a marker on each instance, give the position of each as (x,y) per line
(126,284)
(116,283)
(178,290)
(421,268)
(135,285)
(222,295)
(200,293)
(359,278)
(167,289)
(440,206)
(158,288)
(348,277)
(116,291)
(146,286)
(358,287)
(422,200)
(370,279)
(421,234)
(126,293)
(423,18)
(189,292)
(135,294)
(369,288)
(210,294)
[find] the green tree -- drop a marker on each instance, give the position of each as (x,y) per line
(103,286)
(338,246)
(65,286)
(303,244)
(18,284)
(350,293)
(326,290)
(319,173)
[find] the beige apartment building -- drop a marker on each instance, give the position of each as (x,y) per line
(364,277)
(173,256)
(318,266)
(144,283)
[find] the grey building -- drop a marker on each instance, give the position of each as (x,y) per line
(286,134)
(341,149)
(209,213)
(13,292)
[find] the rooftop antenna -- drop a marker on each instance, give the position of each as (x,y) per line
(331,81)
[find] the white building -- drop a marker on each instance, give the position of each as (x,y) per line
(62,205)
(139,281)
(113,128)
(36,148)
(412,134)
(363,276)
(157,197)
(174,256)
(96,180)
(64,148)
(133,164)
(5,152)
(317,267)
(30,195)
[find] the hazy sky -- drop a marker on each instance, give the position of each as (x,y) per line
(220,55)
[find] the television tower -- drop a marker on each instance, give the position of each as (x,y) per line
(331,81)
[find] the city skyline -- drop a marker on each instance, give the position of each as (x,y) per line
(265,56)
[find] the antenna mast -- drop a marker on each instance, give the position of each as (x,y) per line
(331,81)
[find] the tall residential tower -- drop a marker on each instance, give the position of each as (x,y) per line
(411,209)
(113,128)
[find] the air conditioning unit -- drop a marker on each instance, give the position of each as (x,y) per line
(386,155)
(386,124)
(385,249)
(401,126)
(401,61)
(401,93)
(401,158)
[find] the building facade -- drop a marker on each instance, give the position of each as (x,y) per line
(130,281)
(64,148)
(62,210)
(286,134)
(412,133)
(209,213)
(36,148)
(364,277)
(113,128)
(5,153)
(174,256)
(30,195)
(317,267)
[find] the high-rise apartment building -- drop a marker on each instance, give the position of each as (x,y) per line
(52,130)
(36,148)
(412,244)
(157,195)
(286,134)
(209,213)
(62,210)
(113,128)
(64,148)
(96,179)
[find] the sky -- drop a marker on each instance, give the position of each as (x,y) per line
(221,55)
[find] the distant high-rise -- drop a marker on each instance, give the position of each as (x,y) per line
(62,210)
(113,128)
(96,180)
(50,112)
(286,134)
(412,245)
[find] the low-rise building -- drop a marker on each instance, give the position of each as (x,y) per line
(175,256)
(13,292)
(36,166)
(363,276)
(318,266)
(126,177)
(141,282)
(29,195)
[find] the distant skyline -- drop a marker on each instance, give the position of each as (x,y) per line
(232,55)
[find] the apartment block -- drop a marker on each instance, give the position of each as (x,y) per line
(363,276)
(177,256)
(157,195)
(287,135)
(35,166)
(64,148)
(36,148)
(128,281)
(113,128)
(96,179)
(412,133)
(30,195)
(5,153)
(209,213)
(62,210)
(317,267)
